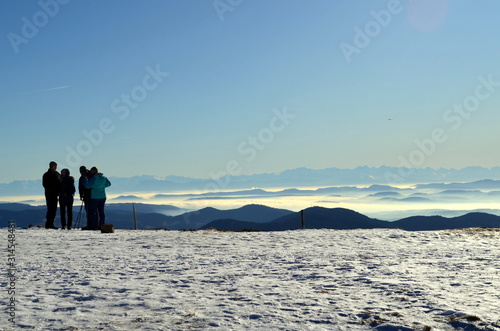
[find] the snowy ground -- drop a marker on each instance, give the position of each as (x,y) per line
(294,280)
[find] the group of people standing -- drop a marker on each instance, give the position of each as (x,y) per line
(60,187)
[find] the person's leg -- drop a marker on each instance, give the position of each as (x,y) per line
(47,214)
(86,204)
(51,211)
(63,205)
(92,214)
(100,211)
(70,214)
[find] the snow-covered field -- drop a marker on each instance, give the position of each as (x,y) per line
(294,280)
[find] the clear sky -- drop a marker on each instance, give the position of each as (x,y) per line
(203,88)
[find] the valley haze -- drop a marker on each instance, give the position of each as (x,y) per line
(427,192)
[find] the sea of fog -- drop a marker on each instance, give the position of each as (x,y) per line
(387,205)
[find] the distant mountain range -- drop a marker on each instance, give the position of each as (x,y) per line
(253,217)
(301,177)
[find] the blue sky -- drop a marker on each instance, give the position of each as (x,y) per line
(204,88)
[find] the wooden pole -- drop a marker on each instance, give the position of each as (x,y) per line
(303,220)
(135,216)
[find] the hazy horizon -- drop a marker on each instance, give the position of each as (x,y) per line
(74,172)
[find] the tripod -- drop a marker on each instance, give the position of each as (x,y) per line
(79,217)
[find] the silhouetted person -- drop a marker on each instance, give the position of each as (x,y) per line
(51,181)
(66,198)
(84,193)
(97,183)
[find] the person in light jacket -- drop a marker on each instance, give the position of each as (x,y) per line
(97,183)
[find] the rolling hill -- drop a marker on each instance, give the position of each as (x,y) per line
(343,219)
(254,217)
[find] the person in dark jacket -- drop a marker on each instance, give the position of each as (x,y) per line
(66,198)
(97,183)
(84,193)
(51,182)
